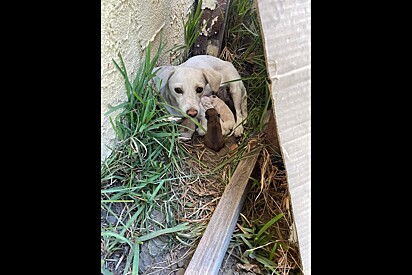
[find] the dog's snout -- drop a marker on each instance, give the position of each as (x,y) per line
(192,112)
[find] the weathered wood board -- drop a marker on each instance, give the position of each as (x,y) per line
(210,40)
(209,254)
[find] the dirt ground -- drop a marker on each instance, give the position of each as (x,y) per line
(196,203)
(155,258)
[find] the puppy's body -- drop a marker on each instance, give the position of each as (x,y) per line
(182,86)
(227,119)
(205,104)
(213,138)
(224,94)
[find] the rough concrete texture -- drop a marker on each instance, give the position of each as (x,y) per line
(127,26)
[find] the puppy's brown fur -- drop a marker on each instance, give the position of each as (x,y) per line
(213,138)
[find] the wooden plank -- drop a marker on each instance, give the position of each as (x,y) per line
(210,40)
(208,256)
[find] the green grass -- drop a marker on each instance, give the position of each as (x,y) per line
(136,176)
(243,41)
(259,244)
(243,46)
(192,30)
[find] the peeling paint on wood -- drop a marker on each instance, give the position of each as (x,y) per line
(211,37)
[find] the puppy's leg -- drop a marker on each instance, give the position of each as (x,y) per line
(226,127)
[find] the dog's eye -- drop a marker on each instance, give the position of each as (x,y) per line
(178,90)
(199,90)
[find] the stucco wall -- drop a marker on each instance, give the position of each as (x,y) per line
(128,26)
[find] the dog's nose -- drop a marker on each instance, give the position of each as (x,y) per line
(192,112)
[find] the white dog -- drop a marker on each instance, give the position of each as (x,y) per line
(182,87)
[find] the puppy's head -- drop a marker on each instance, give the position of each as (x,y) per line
(212,115)
(205,102)
(186,86)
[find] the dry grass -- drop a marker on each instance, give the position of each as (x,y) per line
(199,198)
(198,182)
(269,198)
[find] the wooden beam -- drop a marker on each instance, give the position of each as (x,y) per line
(208,256)
(210,40)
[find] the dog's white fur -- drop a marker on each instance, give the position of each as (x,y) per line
(206,72)
(227,119)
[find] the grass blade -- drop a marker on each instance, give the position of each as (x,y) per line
(135,266)
(268,224)
(267,263)
(180,227)
(129,260)
(153,196)
(132,219)
(117,236)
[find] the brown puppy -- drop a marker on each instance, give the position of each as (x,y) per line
(213,138)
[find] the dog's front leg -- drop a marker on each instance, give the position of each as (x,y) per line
(237,101)
(187,129)
(203,122)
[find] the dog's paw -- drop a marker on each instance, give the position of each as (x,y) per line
(238,131)
(184,138)
(226,131)
(186,135)
(200,132)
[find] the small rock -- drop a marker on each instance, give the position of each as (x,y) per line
(111,219)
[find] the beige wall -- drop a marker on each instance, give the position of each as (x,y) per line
(128,26)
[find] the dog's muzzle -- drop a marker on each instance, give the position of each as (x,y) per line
(192,112)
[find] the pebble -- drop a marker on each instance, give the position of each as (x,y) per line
(111,219)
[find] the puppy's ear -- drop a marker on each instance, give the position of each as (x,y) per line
(213,78)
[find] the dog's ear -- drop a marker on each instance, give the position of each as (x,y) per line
(213,78)
(164,73)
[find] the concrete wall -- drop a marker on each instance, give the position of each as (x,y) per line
(128,26)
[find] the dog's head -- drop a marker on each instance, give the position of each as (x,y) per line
(186,85)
